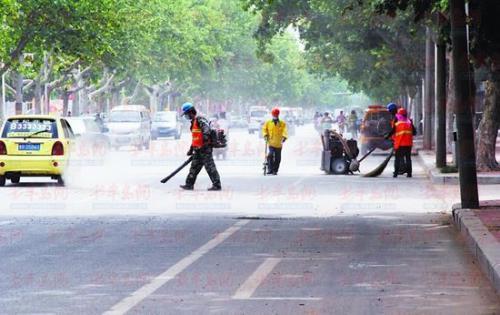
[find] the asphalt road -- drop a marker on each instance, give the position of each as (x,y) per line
(116,241)
(411,264)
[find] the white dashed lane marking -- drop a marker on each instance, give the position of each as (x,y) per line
(142,293)
(247,289)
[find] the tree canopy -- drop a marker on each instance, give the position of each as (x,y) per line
(375,54)
(153,48)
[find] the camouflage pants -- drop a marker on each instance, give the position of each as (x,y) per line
(205,159)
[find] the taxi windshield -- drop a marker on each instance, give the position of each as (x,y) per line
(30,127)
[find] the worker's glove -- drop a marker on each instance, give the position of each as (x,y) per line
(283,140)
(190,152)
(266,138)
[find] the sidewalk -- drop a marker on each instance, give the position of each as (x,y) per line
(481,231)
(428,161)
(479,227)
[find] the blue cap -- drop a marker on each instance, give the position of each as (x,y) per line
(392,107)
(186,107)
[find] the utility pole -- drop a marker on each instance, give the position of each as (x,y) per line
(440,100)
(464,105)
(428,97)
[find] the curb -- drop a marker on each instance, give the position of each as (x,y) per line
(482,244)
(437,177)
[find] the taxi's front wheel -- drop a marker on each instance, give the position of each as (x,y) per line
(2,180)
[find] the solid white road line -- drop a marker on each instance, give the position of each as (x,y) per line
(246,290)
(142,293)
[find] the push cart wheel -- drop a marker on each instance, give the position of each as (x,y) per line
(339,166)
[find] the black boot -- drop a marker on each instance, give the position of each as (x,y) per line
(215,188)
(187,187)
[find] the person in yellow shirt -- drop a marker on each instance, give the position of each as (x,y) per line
(275,133)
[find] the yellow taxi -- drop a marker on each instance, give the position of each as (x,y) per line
(34,145)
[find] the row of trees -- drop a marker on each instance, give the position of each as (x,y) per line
(386,48)
(379,55)
(149,51)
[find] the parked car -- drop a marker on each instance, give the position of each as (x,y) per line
(286,113)
(89,134)
(166,124)
(238,122)
(375,126)
(34,145)
(129,125)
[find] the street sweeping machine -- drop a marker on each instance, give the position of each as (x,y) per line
(339,154)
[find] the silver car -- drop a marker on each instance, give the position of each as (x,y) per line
(166,124)
(129,125)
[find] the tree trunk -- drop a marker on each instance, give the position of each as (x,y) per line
(2,103)
(440,102)
(450,108)
(84,101)
(417,105)
(19,93)
(48,93)
(428,89)
(464,104)
(153,97)
(115,98)
(38,96)
(488,128)
(65,103)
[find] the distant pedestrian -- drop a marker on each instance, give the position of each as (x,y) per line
(353,124)
(200,149)
(275,133)
(341,121)
(326,122)
(99,121)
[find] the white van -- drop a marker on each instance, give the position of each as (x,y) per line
(257,115)
(129,125)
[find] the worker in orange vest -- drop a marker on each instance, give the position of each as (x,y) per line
(200,149)
(403,132)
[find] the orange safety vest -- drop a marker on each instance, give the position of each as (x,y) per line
(197,135)
(404,134)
